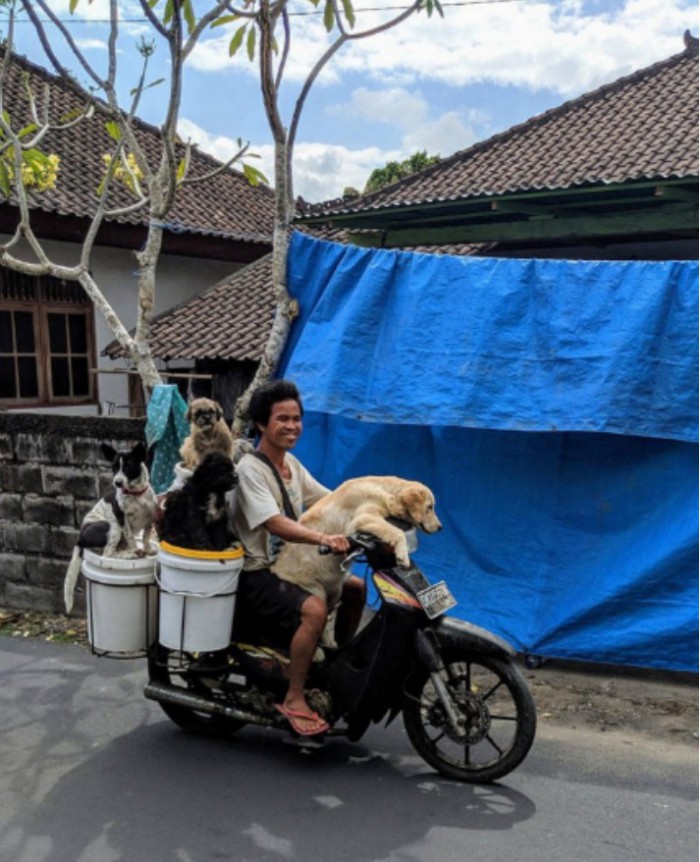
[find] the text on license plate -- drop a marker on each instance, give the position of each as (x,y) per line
(436,600)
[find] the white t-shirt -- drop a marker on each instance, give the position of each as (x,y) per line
(258,498)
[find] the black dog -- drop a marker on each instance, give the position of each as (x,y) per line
(195,515)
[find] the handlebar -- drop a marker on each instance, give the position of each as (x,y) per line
(358,542)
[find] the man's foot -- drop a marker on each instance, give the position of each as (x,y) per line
(303,721)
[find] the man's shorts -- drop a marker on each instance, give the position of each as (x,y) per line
(267,607)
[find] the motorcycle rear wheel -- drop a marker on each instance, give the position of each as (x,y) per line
(172,668)
(496,712)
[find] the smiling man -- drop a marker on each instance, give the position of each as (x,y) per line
(280,611)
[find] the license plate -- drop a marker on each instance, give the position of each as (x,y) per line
(436,600)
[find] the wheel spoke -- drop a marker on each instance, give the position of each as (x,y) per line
(494,744)
(493,690)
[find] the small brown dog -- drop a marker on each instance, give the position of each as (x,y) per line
(208,433)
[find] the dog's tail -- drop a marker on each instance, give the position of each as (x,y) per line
(72,577)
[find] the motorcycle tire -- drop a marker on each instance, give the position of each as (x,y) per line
(497,718)
(167,666)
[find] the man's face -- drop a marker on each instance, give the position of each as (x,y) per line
(284,427)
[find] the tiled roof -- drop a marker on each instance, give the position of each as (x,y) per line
(227,207)
(231,320)
(643,126)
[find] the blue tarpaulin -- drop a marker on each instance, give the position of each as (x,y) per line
(577,543)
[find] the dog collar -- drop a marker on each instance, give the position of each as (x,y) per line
(134,493)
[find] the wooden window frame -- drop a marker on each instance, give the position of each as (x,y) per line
(43,296)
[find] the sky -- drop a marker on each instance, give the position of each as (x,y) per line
(431,83)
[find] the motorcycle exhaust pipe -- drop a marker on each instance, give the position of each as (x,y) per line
(164,693)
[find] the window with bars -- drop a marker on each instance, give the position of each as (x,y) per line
(47,342)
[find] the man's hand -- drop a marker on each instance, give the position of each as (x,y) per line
(337,544)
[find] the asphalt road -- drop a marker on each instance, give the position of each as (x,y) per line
(92,772)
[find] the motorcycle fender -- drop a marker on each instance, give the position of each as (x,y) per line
(459,634)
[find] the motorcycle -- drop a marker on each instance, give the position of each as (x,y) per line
(466,707)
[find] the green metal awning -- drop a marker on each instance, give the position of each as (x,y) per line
(664,208)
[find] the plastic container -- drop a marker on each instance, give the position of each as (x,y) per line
(122,604)
(197,597)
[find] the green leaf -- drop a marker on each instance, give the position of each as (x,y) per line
(35,159)
(168,14)
(188,13)
(438,6)
(237,40)
(155,83)
(349,12)
(5,185)
(73,6)
(72,115)
(27,130)
(251,43)
(253,175)
(181,168)
(153,3)
(114,131)
(226,19)
(328,16)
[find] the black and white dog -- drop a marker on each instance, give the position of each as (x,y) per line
(196,515)
(111,526)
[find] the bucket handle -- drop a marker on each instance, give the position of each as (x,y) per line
(220,592)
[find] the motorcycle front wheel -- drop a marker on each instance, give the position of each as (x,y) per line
(496,718)
(184,672)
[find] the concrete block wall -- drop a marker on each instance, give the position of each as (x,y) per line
(51,473)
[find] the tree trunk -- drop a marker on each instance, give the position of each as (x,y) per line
(286,308)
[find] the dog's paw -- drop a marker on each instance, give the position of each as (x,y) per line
(403,560)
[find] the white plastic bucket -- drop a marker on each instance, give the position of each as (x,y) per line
(197,597)
(122,604)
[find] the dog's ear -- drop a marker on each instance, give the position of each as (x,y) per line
(412,501)
(139,451)
(219,412)
(109,452)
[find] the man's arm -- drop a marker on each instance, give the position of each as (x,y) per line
(293,531)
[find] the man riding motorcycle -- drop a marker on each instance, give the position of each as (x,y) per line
(273,490)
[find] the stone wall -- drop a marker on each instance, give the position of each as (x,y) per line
(51,472)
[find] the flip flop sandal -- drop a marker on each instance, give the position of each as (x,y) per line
(292,715)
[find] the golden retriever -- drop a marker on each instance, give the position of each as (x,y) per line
(208,433)
(358,505)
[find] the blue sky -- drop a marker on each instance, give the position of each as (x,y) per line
(431,83)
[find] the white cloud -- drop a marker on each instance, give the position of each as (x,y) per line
(539,45)
(321,171)
(442,136)
(91,44)
(394,105)
(410,112)
(565,47)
